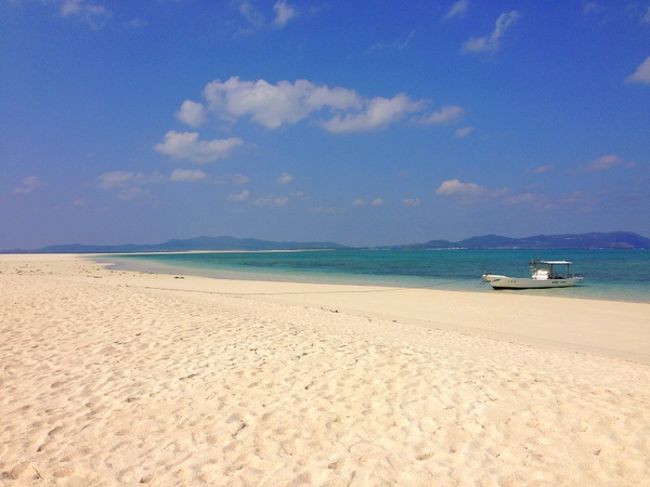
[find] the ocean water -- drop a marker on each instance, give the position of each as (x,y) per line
(621,275)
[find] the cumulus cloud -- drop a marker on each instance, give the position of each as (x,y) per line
(285,178)
(463,132)
(378,113)
(642,73)
(94,15)
(241,196)
(492,42)
(411,202)
(377,202)
(458,9)
(187,176)
(121,179)
(604,162)
(446,114)
(272,105)
(457,188)
(187,145)
(192,113)
(283,13)
(28,185)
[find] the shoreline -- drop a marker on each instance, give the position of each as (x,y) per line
(119,377)
(371,280)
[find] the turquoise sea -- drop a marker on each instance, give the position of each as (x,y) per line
(621,275)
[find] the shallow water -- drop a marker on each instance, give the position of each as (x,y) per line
(621,275)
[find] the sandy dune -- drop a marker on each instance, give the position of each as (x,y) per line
(123,378)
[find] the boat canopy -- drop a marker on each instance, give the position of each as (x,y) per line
(552,262)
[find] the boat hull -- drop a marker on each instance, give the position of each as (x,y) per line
(526,283)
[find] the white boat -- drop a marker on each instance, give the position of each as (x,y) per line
(543,274)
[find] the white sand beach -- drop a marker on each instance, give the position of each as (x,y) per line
(115,377)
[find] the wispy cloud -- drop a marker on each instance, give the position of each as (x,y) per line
(457,9)
(285,178)
(446,114)
(121,179)
(397,44)
(325,210)
(358,202)
(492,42)
(192,113)
(187,176)
(411,202)
(604,162)
(276,201)
(187,145)
(590,8)
(642,73)
(240,179)
(92,14)
(542,169)
(243,195)
(28,185)
(283,13)
(646,16)
(463,132)
(377,202)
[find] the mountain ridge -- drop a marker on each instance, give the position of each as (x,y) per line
(591,240)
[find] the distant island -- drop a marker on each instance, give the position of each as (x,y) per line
(594,240)
(610,240)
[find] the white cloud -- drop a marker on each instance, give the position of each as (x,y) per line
(93,15)
(285,178)
(191,113)
(463,132)
(411,202)
(446,114)
(642,73)
(241,196)
(240,179)
(28,185)
(186,145)
(377,202)
(273,105)
(283,13)
(378,113)
(604,162)
(455,187)
(121,179)
(272,201)
(492,42)
(358,202)
(458,9)
(187,175)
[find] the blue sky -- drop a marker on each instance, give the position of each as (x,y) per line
(359,122)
